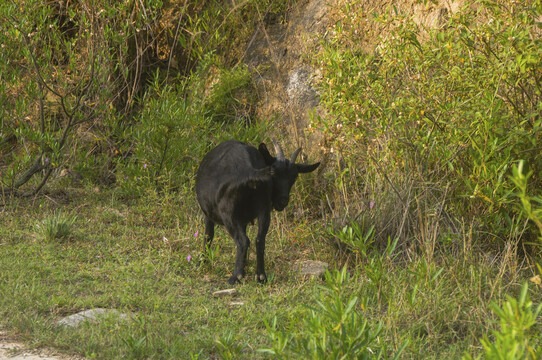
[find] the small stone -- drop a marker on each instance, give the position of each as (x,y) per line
(226,292)
(237,303)
(312,267)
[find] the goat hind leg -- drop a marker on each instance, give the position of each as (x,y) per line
(242,242)
(208,237)
(263,226)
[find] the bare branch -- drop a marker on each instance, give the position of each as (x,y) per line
(37,166)
(82,89)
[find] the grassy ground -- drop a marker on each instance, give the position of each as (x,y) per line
(132,255)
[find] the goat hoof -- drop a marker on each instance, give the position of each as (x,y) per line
(235,279)
(261,278)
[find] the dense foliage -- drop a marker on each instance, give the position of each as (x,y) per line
(435,119)
(84,85)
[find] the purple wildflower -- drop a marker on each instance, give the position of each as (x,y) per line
(371,204)
(188,258)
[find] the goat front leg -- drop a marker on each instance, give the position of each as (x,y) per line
(242,242)
(263,225)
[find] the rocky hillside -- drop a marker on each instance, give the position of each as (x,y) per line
(282,52)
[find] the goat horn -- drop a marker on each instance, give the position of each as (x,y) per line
(278,150)
(294,155)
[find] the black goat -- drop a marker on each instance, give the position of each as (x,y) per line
(237,183)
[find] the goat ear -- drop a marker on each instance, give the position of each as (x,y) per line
(259,176)
(262,174)
(269,160)
(302,168)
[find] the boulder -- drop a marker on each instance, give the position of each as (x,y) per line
(311,268)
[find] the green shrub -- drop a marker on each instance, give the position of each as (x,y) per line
(333,329)
(516,338)
(67,70)
(164,142)
(175,129)
(232,96)
(355,237)
(74,75)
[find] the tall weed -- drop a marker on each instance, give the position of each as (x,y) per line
(531,206)
(517,337)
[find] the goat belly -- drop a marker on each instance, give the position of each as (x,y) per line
(254,202)
(242,203)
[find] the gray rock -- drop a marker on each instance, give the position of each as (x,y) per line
(91,315)
(300,90)
(311,267)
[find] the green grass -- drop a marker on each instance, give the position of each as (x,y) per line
(131,255)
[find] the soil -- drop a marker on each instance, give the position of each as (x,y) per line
(14,350)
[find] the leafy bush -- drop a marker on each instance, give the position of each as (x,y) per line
(355,238)
(175,130)
(434,120)
(231,97)
(67,73)
(163,140)
(223,28)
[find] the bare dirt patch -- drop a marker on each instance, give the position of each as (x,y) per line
(14,350)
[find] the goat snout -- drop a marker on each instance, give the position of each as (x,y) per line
(283,202)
